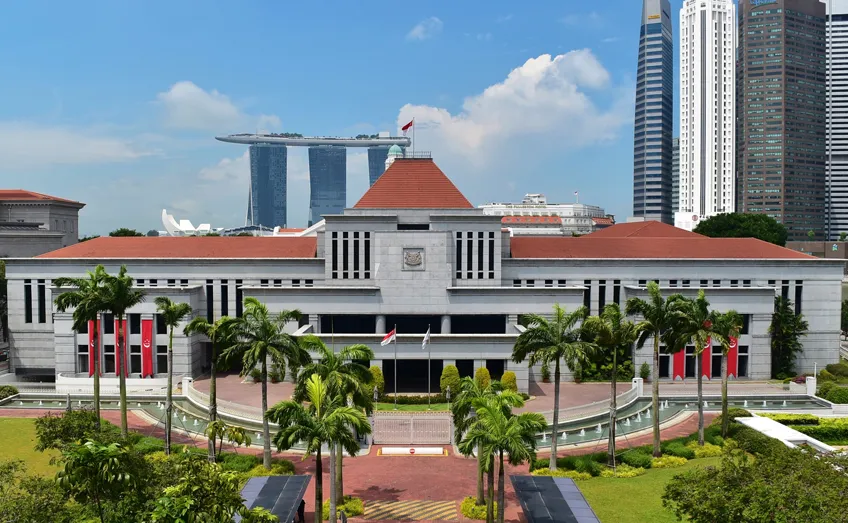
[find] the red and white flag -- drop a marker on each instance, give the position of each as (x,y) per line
(390,337)
(406,127)
(426,339)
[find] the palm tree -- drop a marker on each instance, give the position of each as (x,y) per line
(727,326)
(87,302)
(120,296)
(694,324)
(345,378)
(658,315)
(551,341)
(326,420)
(220,334)
(257,337)
(462,409)
(497,431)
(614,333)
(173,314)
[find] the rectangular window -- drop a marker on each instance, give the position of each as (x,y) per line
(153,283)
(210,301)
(263,283)
(705,283)
(367,253)
(344,256)
(278,283)
(665,365)
(135,359)
(135,323)
(161,327)
(239,299)
(161,359)
(643,283)
(172,283)
(734,283)
(746,283)
(295,283)
(480,250)
(335,255)
(308,283)
(42,302)
(716,283)
(469,256)
(27,301)
(686,283)
(742,362)
(82,358)
(587,294)
(549,283)
(140,282)
(225,298)
(746,324)
(616,291)
(715,371)
(531,283)
(784,291)
(356,256)
(602,295)
(459,256)
(516,283)
(491,256)
(690,362)
(672,283)
(108,359)
(560,283)
(183,283)
(799,295)
(108,323)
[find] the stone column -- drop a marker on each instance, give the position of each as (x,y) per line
(446,324)
(381,324)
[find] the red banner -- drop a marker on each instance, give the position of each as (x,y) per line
(93,331)
(733,358)
(146,348)
(707,359)
(120,351)
(678,365)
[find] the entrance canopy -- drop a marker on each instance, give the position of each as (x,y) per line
(279,495)
(552,500)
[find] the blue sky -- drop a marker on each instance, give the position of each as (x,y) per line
(115,103)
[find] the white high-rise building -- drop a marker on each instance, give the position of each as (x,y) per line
(707,110)
(837,121)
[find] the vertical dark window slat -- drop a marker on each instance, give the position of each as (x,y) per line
(27,302)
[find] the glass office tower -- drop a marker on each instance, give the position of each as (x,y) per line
(654,115)
(266,203)
(327,181)
(377,155)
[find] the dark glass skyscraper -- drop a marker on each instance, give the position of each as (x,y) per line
(652,149)
(377,155)
(327,181)
(266,204)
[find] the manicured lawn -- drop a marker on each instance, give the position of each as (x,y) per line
(18,439)
(635,500)
(413,408)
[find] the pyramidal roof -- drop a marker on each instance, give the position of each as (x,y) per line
(413,183)
(646,229)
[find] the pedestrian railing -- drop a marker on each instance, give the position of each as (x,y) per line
(593,409)
(224,407)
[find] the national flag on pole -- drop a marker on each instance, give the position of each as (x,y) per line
(390,337)
(406,127)
(426,339)
(575,193)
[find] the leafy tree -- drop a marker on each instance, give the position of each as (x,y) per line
(614,334)
(173,314)
(57,431)
(124,231)
(482,377)
(257,337)
(218,430)
(449,378)
(739,225)
(509,381)
(377,380)
(153,233)
(844,318)
(464,416)
(345,378)
(727,326)
(811,234)
(658,315)
(786,329)
(220,334)
(843,236)
(497,431)
(326,420)
(119,295)
(86,238)
(88,301)
(33,499)
(551,341)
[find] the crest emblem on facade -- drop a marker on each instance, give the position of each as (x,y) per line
(413,258)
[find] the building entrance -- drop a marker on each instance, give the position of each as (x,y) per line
(412,376)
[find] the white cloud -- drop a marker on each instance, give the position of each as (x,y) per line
(188,106)
(504,18)
(425,29)
(611,39)
(592,19)
(228,169)
(29,146)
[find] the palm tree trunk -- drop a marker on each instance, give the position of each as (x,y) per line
(725,423)
(169,392)
(213,403)
(655,395)
(97,377)
(266,430)
(490,507)
(339,478)
(333,499)
(552,465)
(481,495)
(122,378)
(501,503)
(611,446)
(319,491)
(699,372)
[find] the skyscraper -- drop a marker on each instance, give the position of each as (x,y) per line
(654,114)
(266,202)
(837,121)
(675,174)
(707,107)
(327,181)
(376,161)
(781,119)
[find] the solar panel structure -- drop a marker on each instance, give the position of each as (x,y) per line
(552,500)
(280,495)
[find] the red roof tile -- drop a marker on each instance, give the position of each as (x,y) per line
(698,247)
(603,221)
(413,184)
(190,247)
(22,195)
(509,220)
(648,229)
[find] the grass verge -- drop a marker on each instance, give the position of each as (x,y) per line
(18,437)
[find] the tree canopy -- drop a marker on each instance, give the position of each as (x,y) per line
(123,231)
(738,225)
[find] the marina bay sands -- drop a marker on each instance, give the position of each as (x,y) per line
(266,202)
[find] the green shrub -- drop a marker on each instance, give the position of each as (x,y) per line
(472,510)
(637,459)
(377,380)
(838,395)
(256,375)
(450,378)
(573,474)
(793,419)
(645,371)
(237,462)
(622,471)
(284,466)
(482,377)
(587,465)
(825,388)
(732,413)
(148,445)
(712,434)
(509,382)
(668,462)
(189,449)
(7,391)
(824,375)
(838,369)
(56,431)
(836,433)
(755,442)
(707,451)
(546,373)
(414,400)
(352,507)
(678,449)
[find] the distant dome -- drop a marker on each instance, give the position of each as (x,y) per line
(395,150)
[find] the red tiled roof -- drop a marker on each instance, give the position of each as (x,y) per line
(603,221)
(413,184)
(698,247)
(22,195)
(648,229)
(190,247)
(531,219)
(283,229)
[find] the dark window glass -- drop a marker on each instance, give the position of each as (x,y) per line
(746,283)
(367,255)
(308,283)
(549,283)
(153,283)
(602,295)
(616,291)
(459,256)
(587,294)
(665,366)
(140,282)
(161,327)
(734,283)
(531,283)
(172,283)
(27,302)
(344,256)
(355,257)
(83,329)
(210,301)
(491,256)
(690,362)
(135,359)
(799,295)
(335,255)
(239,299)
(183,283)
(469,256)
(686,283)
(42,304)
(295,283)
(108,359)
(82,358)
(480,251)
(263,283)
(108,324)
(784,291)
(161,359)
(225,298)
(704,283)
(672,283)
(716,283)
(516,283)
(560,283)
(742,362)
(642,283)
(278,283)
(135,323)
(746,324)
(716,363)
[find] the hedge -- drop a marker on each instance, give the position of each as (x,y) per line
(472,510)
(622,471)
(825,388)
(238,462)
(732,413)
(678,449)
(414,400)
(793,419)
(149,445)
(838,369)
(755,442)
(7,391)
(707,451)
(352,507)
(837,395)
(637,459)
(667,462)
(573,474)
(824,433)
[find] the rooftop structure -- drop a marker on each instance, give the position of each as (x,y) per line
(32,223)
(311,141)
(574,218)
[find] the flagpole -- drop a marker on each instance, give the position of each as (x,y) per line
(428,365)
(395,331)
(413,137)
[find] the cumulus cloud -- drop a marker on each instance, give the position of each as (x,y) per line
(425,29)
(228,169)
(188,106)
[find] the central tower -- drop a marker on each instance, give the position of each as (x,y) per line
(327,181)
